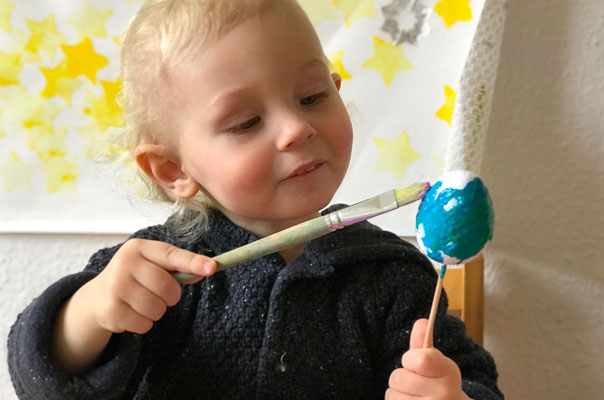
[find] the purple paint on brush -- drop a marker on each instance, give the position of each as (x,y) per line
(427,187)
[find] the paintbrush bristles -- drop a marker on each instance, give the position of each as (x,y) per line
(411,193)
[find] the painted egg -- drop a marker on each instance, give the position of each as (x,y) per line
(455,218)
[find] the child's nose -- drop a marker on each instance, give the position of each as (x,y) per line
(294,130)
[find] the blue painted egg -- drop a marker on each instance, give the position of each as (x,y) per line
(455,219)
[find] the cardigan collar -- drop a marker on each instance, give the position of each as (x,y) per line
(316,259)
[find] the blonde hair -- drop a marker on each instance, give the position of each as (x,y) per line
(162,34)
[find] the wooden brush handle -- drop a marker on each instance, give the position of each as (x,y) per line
(295,235)
(428,339)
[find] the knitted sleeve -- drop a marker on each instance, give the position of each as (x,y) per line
(34,374)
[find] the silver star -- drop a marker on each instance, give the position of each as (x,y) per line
(406,20)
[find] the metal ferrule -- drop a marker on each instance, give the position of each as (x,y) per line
(362,211)
(334,221)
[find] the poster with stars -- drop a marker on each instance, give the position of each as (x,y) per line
(400,61)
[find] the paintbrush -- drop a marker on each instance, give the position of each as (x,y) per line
(311,229)
(429,338)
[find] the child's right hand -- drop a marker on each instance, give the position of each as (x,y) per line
(129,295)
(136,287)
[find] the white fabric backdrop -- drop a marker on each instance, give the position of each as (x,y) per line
(402,62)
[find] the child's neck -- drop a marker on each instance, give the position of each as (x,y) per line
(263,228)
(291,253)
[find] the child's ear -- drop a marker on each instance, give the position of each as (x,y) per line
(163,167)
(337,79)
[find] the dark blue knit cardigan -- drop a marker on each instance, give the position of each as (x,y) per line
(332,324)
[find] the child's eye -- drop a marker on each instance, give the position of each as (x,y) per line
(310,100)
(247,125)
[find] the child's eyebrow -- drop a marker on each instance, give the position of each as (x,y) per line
(232,96)
(314,63)
(228,97)
(223,103)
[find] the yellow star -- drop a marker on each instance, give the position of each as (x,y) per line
(388,60)
(14,100)
(31,116)
(16,45)
(58,84)
(22,110)
(10,68)
(6,9)
(48,142)
(16,175)
(90,21)
(395,155)
(439,162)
(98,143)
(453,11)
(118,40)
(106,113)
(318,11)
(61,174)
(42,135)
(105,109)
(45,38)
(82,60)
(108,103)
(446,111)
(356,9)
(338,65)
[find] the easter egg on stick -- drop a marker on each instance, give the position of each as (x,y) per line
(455,218)
(454,222)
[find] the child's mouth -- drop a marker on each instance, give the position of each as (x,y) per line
(306,169)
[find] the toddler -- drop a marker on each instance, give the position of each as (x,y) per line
(234,114)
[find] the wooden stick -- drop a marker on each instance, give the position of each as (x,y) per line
(429,338)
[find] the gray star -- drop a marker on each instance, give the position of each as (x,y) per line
(406,20)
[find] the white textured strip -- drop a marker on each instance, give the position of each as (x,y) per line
(473,105)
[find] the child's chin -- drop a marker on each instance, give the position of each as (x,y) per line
(311,208)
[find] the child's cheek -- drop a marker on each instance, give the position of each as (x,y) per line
(253,175)
(341,141)
(245,179)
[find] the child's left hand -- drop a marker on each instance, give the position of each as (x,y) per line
(426,373)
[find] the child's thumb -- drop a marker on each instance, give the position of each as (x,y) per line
(418,333)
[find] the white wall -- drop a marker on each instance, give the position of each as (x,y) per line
(544,165)
(28,264)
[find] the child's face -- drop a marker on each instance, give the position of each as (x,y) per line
(262,127)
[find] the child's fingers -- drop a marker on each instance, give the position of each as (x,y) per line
(118,316)
(160,282)
(172,258)
(136,323)
(418,333)
(144,302)
(407,382)
(392,394)
(426,362)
